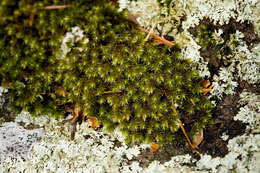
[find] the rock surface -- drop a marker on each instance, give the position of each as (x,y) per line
(16,142)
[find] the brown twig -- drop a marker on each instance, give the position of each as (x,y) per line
(55,7)
(184,132)
(187,137)
(50,7)
(132,17)
(156,37)
(109,92)
(31,18)
(73,125)
(76,114)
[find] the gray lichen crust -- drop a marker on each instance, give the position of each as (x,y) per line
(16,142)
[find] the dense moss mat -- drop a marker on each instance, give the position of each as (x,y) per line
(111,73)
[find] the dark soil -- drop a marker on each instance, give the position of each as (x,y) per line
(223,116)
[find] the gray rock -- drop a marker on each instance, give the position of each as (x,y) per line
(16,141)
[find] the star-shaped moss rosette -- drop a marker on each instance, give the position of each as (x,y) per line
(110,72)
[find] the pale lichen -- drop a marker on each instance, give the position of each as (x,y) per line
(224,83)
(250,110)
(70,39)
(91,149)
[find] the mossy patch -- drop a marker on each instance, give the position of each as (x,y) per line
(111,73)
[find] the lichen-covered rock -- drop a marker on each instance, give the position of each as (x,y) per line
(90,151)
(16,142)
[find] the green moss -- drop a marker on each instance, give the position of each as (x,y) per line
(149,80)
(205,37)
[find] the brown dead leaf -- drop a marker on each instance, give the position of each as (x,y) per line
(207,87)
(207,90)
(197,139)
(31,18)
(154,147)
(205,83)
(93,121)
